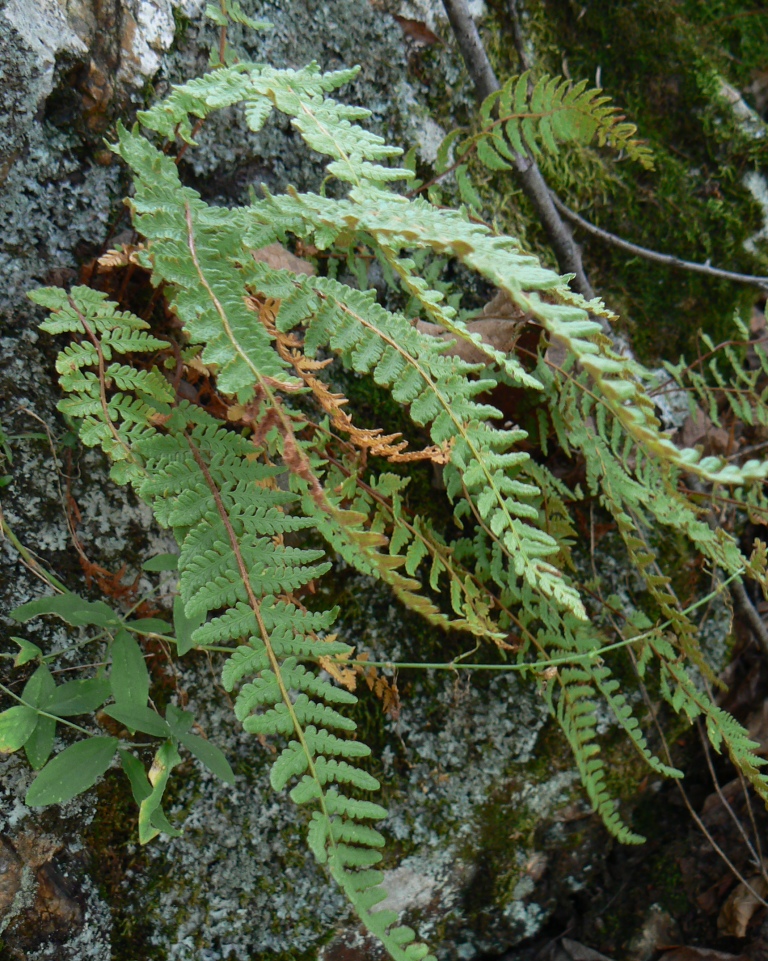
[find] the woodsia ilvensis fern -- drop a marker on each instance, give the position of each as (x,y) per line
(238,494)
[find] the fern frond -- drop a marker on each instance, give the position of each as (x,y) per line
(575,713)
(237,504)
(522,116)
(723,730)
(232,555)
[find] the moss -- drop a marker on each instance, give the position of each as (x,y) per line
(111,842)
(652,61)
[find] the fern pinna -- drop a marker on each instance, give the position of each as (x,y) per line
(236,501)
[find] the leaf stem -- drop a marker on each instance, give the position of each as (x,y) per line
(55,717)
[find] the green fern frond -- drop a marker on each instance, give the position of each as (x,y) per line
(203,481)
(522,116)
(575,713)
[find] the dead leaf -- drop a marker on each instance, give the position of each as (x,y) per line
(659,931)
(758,90)
(346,676)
(580,952)
(714,810)
(686,953)
(119,257)
(741,906)
(417,31)
(712,899)
(536,866)
(699,430)
(499,325)
(278,258)
(757,326)
(573,812)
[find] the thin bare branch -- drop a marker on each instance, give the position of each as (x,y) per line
(518,37)
(726,804)
(749,612)
(534,186)
(696,819)
(666,259)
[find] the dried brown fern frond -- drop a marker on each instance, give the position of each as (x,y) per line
(371,441)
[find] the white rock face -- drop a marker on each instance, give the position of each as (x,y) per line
(757,185)
(44,27)
(52,27)
(148,30)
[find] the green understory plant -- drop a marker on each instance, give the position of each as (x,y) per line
(248,498)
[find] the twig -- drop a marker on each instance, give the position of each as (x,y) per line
(517,35)
(737,16)
(666,259)
(534,186)
(697,820)
(724,801)
(29,561)
(747,609)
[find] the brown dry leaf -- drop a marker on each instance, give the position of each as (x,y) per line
(741,906)
(758,89)
(119,258)
(757,326)
(278,258)
(417,31)
(194,363)
(236,412)
(577,951)
(346,676)
(699,430)
(687,953)
(711,900)
(537,866)
(385,690)
(714,809)
(499,325)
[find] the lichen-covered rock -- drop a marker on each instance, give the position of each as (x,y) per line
(67,69)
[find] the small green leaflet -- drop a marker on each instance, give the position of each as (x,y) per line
(28,652)
(39,746)
(16,726)
(179,721)
(39,687)
(73,771)
(71,608)
(129,678)
(142,790)
(236,13)
(184,627)
(77,697)
(149,625)
(161,562)
(215,14)
(134,769)
(208,754)
(150,812)
(37,690)
(138,718)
